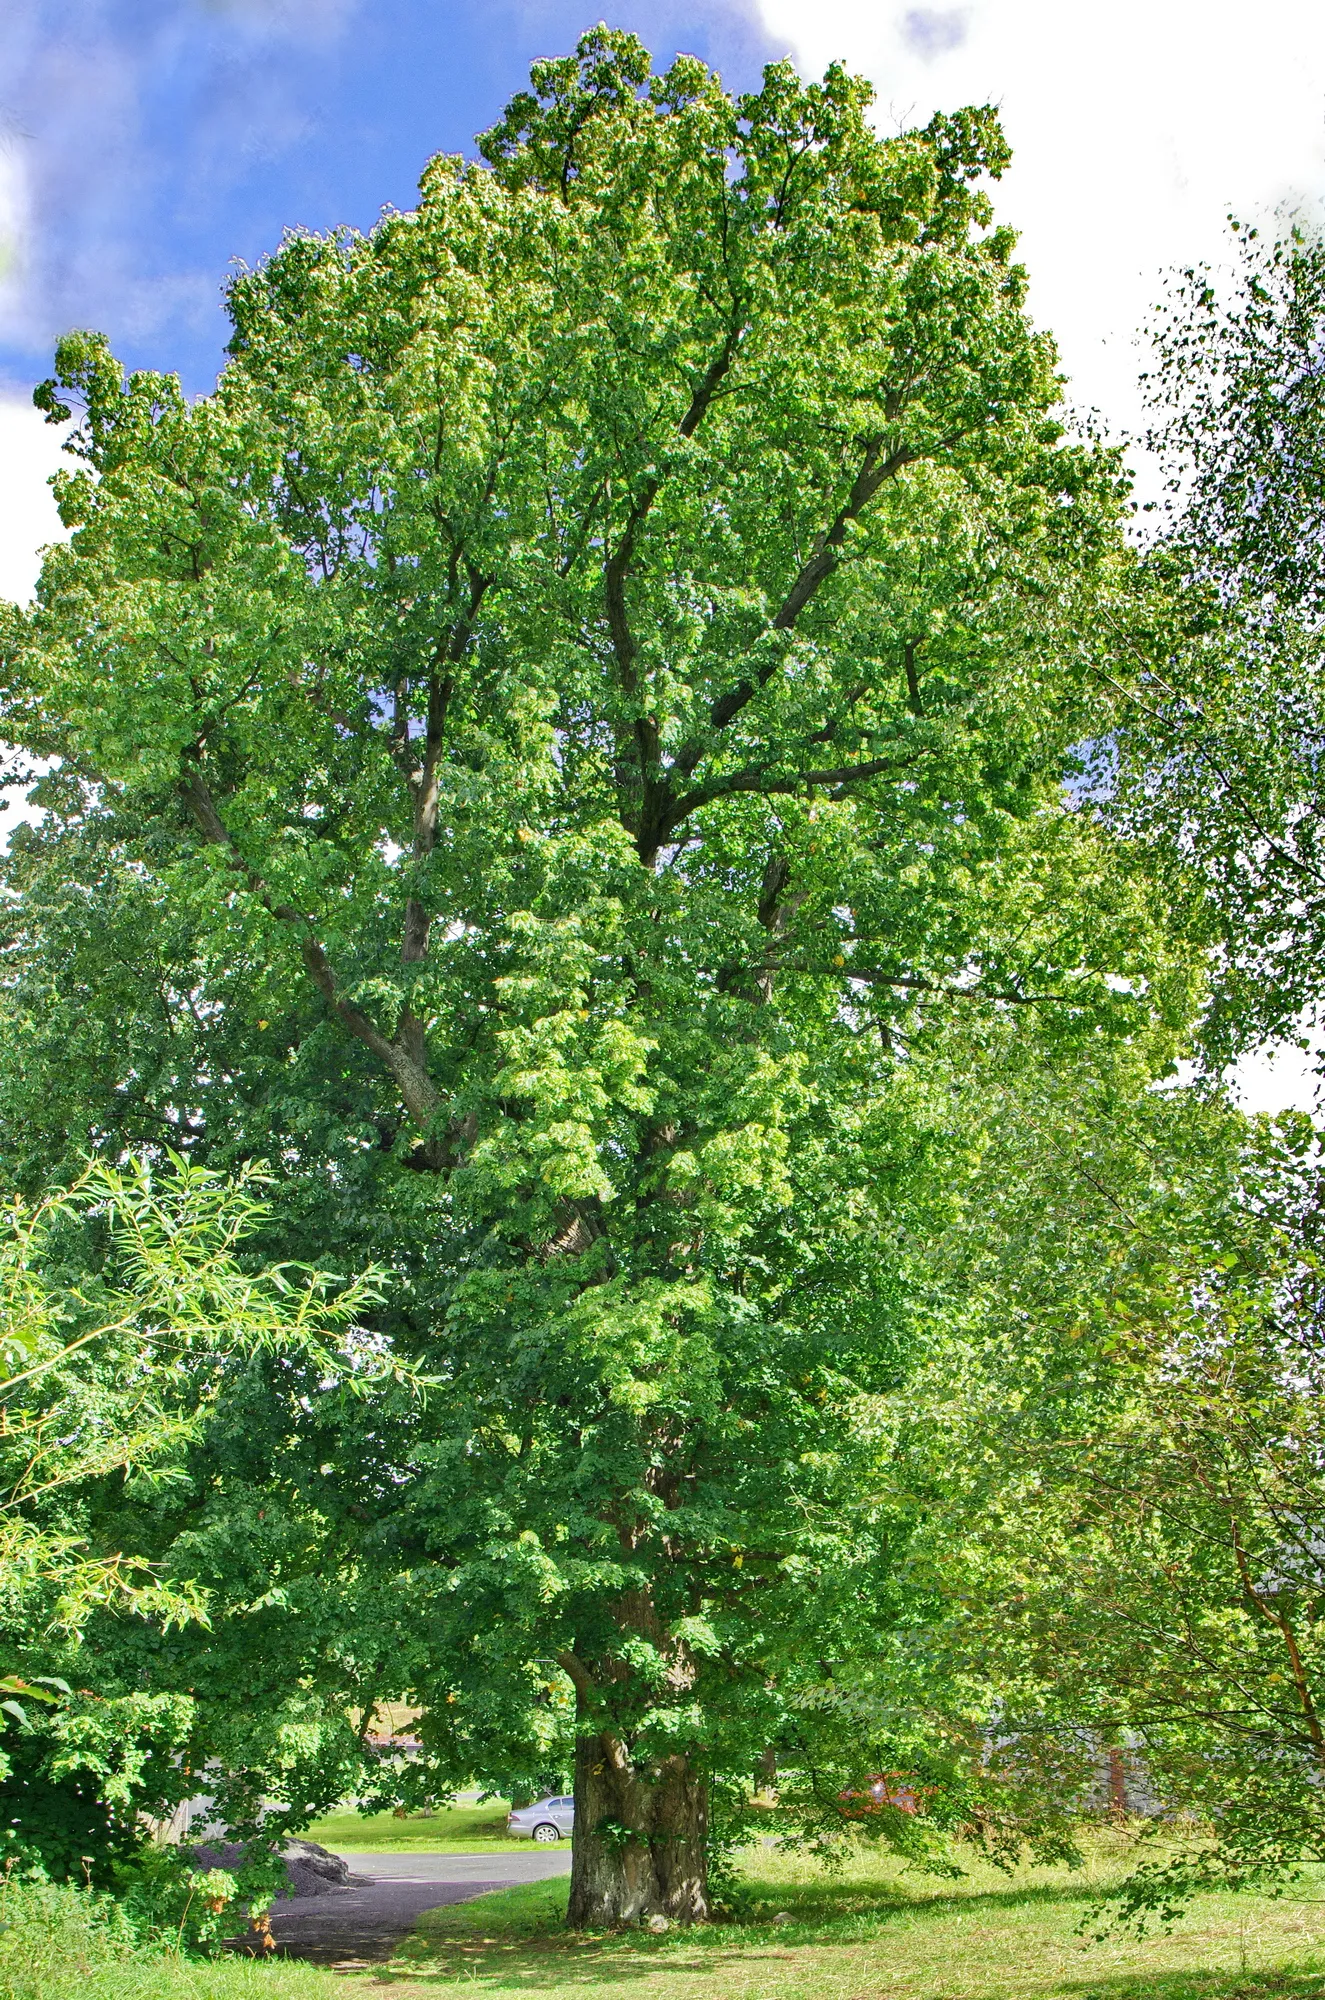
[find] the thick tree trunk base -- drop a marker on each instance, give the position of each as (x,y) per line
(640,1840)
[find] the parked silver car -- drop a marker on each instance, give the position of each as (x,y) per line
(545,1820)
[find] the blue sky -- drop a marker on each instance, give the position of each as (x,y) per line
(146,143)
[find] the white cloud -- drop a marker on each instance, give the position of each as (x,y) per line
(29,454)
(1279,1077)
(933,31)
(1136,128)
(13,215)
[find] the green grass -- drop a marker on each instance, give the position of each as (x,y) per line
(871,1931)
(460,1830)
(60,1944)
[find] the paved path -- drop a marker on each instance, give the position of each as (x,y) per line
(363,1925)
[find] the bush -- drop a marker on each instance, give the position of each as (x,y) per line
(64,1824)
(168,1901)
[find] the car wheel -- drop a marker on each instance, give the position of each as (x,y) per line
(546,1832)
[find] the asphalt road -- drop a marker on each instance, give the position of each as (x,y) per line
(362,1925)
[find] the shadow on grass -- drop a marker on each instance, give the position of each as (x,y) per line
(830,1903)
(1285,1984)
(591,1963)
(516,1941)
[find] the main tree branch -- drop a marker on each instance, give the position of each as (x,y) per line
(875,468)
(418,1092)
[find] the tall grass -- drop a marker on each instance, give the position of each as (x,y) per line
(62,1943)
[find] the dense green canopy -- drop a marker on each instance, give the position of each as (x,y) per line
(547,752)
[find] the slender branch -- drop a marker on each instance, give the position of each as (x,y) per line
(873,473)
(197,796)
(912,678)
(874,470)
(53,1360)
(840,776)
(1278,1619)
(911,982)
(421,1096)
(618,565)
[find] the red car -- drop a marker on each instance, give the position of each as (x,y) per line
(885,1788)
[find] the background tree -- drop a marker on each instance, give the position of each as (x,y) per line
(1116,1451)
(1131,1536)
(1218,677)
(544,738)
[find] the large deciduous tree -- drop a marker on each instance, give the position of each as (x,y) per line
(543,738)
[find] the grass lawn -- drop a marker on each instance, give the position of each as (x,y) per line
(460,1830)
(868,1932)
(874,1932)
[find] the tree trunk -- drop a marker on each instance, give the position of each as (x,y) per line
(639,1839)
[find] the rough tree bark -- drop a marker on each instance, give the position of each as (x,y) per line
(640,1838)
